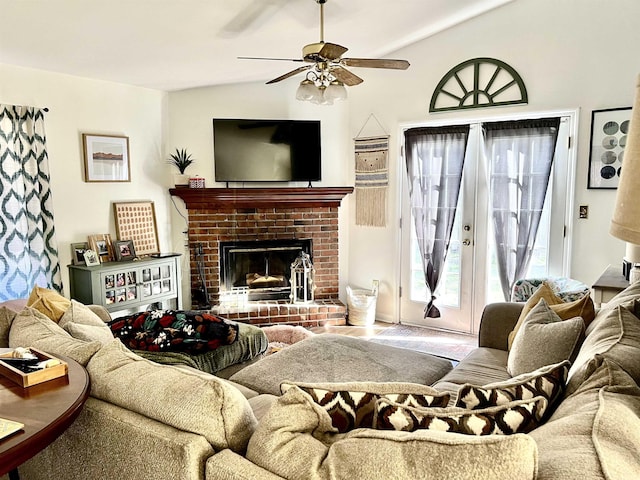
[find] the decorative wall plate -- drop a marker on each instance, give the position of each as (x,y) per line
(477,83)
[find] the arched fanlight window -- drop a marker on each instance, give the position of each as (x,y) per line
(477,83)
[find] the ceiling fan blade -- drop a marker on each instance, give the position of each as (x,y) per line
(290,74)
(376,63)
(270,58)
(332,51)
(346,77)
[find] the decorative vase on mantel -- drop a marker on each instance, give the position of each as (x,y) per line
(181,160)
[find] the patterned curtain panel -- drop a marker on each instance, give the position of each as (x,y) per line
(435,157)
(28,250)
(520,154)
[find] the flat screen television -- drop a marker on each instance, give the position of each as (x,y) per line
(247,150)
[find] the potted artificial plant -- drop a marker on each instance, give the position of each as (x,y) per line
(181,160)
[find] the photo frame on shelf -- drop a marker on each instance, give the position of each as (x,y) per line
(136,221)
(124,250)
(106,158)
(77,253)
(609,130)
(91,258)
(101,244)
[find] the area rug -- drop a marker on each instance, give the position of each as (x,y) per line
(446,345)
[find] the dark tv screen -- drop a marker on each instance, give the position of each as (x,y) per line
(266,150)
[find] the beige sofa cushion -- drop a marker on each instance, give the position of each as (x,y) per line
(49,302)
(296,440)
(544,338)
(82,323)
(615,335)
(595,432)
(190,402)
(582,307)
(31,328)
(352,404)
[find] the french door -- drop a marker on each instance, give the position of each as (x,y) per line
(470,279)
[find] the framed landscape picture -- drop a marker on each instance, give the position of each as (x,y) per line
(106,158)
(609,130)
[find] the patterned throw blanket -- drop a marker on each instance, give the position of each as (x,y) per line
(174,331)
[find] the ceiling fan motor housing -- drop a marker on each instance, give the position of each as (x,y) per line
(311,52)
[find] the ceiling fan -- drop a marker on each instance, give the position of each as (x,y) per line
(326,66)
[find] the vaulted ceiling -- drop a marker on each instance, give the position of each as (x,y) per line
(179,44)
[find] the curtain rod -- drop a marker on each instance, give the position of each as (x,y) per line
(46,109)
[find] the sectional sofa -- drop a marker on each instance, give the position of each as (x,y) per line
(572,408)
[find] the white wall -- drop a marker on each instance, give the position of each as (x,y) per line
(77,106)
(571,54)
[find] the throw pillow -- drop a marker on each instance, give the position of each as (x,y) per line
(548,382)
(48,302)
(582,307)
(352,405)
(616,336)
(6,318)
(31,328)
(521,416)
(544,339)
(82,323)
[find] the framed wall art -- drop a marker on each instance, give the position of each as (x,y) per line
(609,129)
(101,244)
(136,221)
(106,158)
(124,250)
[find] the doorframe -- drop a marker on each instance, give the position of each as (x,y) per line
(572,158)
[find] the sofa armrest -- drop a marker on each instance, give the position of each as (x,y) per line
(498,320)
(228,465)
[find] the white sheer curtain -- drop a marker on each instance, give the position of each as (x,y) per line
(434,161)
(28,250)
(520,155)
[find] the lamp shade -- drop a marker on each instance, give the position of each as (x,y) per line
(625,223)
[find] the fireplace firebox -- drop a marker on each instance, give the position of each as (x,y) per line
(260,268)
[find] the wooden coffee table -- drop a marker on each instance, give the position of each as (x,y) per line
(46,410)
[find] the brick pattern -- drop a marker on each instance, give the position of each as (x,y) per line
(209,227)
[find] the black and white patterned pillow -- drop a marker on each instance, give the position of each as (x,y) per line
(548,382)
(515,417)
(351,409)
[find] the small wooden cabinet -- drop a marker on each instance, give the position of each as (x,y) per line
(128,285)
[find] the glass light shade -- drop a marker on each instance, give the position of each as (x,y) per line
(306,91)
(625,222)
(336,91)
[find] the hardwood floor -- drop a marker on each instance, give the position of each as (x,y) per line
(450,345)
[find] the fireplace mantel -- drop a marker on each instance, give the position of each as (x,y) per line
(287,197)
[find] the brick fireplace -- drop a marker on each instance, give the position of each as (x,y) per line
(226,215)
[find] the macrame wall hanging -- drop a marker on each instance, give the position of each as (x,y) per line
(372,177)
